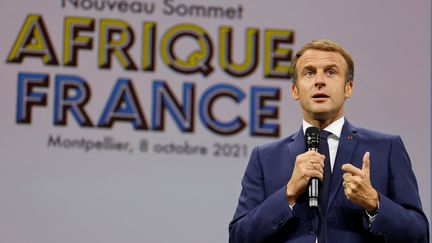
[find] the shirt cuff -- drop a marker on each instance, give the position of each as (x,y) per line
(372,215)
(292,206)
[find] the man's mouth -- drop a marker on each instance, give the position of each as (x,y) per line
(320,96)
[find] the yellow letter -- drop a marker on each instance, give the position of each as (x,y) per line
(197,60)
(276,58)
(226,51)
(33,40)
(115,38)
(148,49)
(73,41)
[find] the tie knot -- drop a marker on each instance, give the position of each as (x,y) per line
(324,134)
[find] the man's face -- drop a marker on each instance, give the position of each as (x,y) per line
(321,88)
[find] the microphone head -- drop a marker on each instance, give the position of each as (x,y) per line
(312,137)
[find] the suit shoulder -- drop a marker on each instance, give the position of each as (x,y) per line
(368,134)
(275,145)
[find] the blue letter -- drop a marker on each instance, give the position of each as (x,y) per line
(66,85)
(163,99)
(259,112)
(206,105)
(26,98)
(123,105)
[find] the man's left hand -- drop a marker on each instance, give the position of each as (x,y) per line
(357,185)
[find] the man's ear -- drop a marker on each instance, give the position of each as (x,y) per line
(348,89)
(294,92)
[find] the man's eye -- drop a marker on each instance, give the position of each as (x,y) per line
(309,74)
(331,73)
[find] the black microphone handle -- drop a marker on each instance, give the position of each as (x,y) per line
(313,190)
(312,140)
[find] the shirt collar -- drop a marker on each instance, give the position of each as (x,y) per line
(335,128)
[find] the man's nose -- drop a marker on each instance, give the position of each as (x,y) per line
(320,79)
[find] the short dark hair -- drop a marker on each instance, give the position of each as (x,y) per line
(324,45)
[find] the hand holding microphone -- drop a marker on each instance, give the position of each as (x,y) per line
(307,166)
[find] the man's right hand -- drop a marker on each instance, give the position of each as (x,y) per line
(307,165)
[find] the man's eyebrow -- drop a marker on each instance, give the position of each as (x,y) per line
(308,67)
(332,66)
(314,68)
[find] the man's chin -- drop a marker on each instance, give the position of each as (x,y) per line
(322,115)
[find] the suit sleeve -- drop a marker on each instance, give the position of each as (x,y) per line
(400,217)
(258,216)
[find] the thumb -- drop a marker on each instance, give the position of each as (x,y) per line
(366,163)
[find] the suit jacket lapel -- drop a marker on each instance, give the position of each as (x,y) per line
(296,146)
(347,144)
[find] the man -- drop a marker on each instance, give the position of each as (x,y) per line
(372,195)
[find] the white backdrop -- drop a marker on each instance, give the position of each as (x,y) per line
(70,195)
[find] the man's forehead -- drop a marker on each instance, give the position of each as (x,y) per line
(321,58)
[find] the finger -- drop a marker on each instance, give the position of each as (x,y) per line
(311,153)
(366,163)
(319,160)
(347,177)
(347,192)
(322,158)
(312,166)
(318,167)
(310,158)
(315,167)
(316,174)
(349,168)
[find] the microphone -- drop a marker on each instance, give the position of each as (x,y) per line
(312,138)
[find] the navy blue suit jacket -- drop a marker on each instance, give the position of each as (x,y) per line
(263,213)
